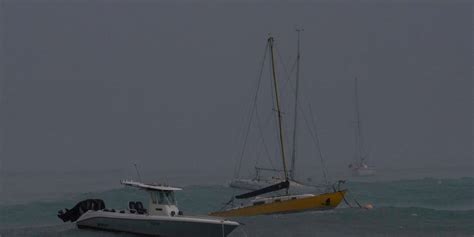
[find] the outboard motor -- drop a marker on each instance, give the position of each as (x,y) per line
(136,207)
(139,207)
(81,208)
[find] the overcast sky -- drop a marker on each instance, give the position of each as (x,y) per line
(167,84)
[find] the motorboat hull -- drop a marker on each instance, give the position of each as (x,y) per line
(163,226)
(308,203)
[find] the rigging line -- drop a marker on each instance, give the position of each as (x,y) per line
(273,103)
(251,111)
(263,138)
(287,137)
(314,134)
(323,161)
(287,76)
(295,119)
(257,154)
(315,139)
(269,117)
(250,116)
(287,73)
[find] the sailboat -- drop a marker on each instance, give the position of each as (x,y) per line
(259,181)
(360,166)
(277,203)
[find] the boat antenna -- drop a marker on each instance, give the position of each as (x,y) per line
(138,173)
(293,153)
(282,147)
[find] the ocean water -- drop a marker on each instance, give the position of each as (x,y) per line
(416,207)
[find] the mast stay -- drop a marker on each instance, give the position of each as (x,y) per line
(309,122)
(285,184)
(295,124)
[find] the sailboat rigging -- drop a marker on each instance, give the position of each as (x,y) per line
(278,110)
(290,174)
(295,120)
(360,166)
(281,203)
(286,183)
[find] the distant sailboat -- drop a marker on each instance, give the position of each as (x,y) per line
(259,181)
(360,165)
(286,203)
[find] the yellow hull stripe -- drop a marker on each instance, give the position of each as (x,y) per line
(319,202)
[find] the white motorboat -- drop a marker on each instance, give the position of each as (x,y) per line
(162,218)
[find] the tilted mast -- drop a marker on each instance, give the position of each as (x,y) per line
(280,127)
(285,184)
(293,153)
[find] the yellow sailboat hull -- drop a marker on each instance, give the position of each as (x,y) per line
(314,202)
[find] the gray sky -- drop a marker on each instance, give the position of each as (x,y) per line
(167,84)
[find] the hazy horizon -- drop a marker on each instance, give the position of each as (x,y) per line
(102,85)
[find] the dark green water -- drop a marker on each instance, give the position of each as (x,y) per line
(421,207)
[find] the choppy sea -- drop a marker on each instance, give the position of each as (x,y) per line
(406,207)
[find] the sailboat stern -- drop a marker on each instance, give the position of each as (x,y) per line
(285,204)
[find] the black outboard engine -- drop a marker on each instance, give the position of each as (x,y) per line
(136,207)
(81,208)
(139,207)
